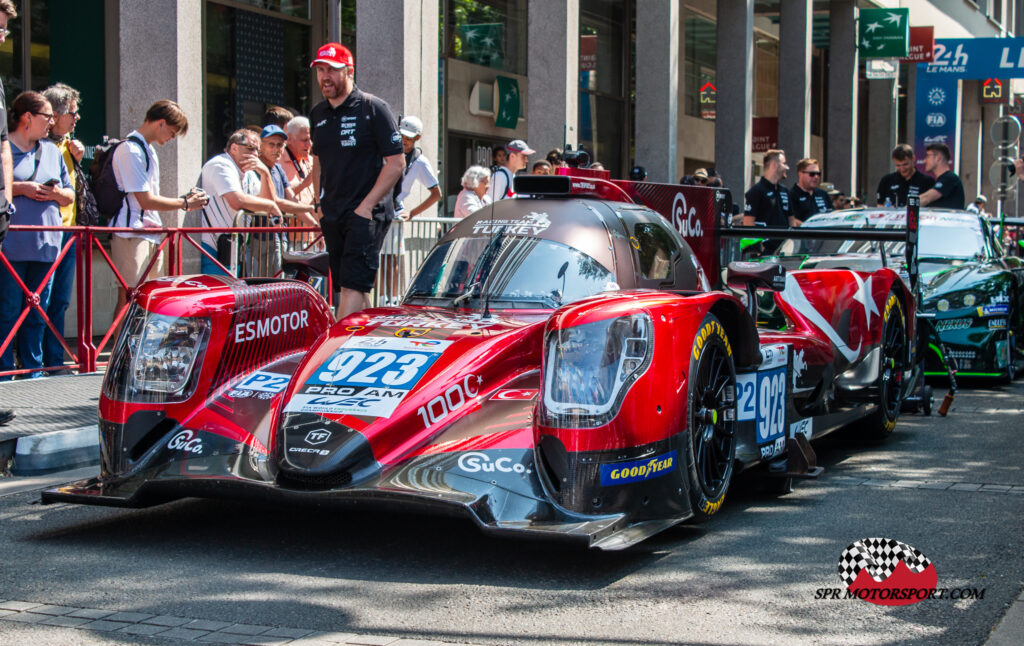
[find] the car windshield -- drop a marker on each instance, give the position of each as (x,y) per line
(935,240)
(515,271)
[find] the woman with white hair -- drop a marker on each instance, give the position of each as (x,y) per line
(473,195)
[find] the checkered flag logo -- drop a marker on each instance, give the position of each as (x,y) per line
(880,556)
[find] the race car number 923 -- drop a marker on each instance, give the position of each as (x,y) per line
(762,397)
(384,369)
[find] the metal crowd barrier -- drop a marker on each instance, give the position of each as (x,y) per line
(403,252)
(167,258)
(255,252)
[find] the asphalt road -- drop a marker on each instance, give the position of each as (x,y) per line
(747,577)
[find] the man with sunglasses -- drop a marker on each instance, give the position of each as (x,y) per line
(805,196)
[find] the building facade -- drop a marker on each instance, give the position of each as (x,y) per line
(644,82)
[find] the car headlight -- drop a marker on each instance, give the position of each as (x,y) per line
(156,356)
(970,300)
(589,368)
(942,305)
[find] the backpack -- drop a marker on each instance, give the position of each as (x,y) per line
(109,196)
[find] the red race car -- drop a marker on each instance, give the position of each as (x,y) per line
(560,367)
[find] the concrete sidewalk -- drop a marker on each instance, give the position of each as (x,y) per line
(55,428)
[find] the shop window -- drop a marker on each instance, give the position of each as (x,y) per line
(701,59)
(240,86)
(766,77)
(491,33)
(606,29)
(294,8)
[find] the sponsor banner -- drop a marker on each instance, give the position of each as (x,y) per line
(530,224)
(407,321)
(976,58)
(764,134)
(884,33)
(638,470)
(937,115)
(922,42)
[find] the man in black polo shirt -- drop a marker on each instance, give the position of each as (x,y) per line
(948,192)
(768,201)
(357,159)
(894,188)
(805,198)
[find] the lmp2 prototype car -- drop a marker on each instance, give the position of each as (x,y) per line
(972,290)
(559,368)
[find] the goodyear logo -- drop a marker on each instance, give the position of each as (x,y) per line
(638,470)
(710,328)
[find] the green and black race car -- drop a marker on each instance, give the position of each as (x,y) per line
(972,289)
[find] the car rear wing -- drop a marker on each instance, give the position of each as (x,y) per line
(908,234)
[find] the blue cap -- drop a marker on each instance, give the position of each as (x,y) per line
(271,130)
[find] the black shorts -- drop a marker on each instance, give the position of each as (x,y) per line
(353,246)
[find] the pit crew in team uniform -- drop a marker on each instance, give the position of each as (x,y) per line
(894,188)
(805,198)
(948,192)
(357,158)
(768,201)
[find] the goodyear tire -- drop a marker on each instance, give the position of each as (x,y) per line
(710,432)
(880,424)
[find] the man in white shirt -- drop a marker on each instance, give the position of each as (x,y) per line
(501,181)
(137,172)
(233,181)
(417,169)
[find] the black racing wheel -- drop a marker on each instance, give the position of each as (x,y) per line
(892,365)
(711,426)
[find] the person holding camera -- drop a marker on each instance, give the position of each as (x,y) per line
(233,184)
(137,171)
(41,186)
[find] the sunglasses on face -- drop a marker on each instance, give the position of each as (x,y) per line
(812,173)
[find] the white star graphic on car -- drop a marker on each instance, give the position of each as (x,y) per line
(865,298)
(488,41)
(470,34)
(794,295)
(864,43)
(894,18)
(873,26)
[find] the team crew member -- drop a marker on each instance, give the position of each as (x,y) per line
(501,179)
(805,198)
(948,192)
(767,200)
(894,188)
(357,158)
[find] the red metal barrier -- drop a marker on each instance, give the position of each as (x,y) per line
(88,240)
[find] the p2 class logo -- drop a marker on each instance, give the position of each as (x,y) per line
(886,572)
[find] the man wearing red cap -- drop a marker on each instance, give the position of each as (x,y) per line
(357,159)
